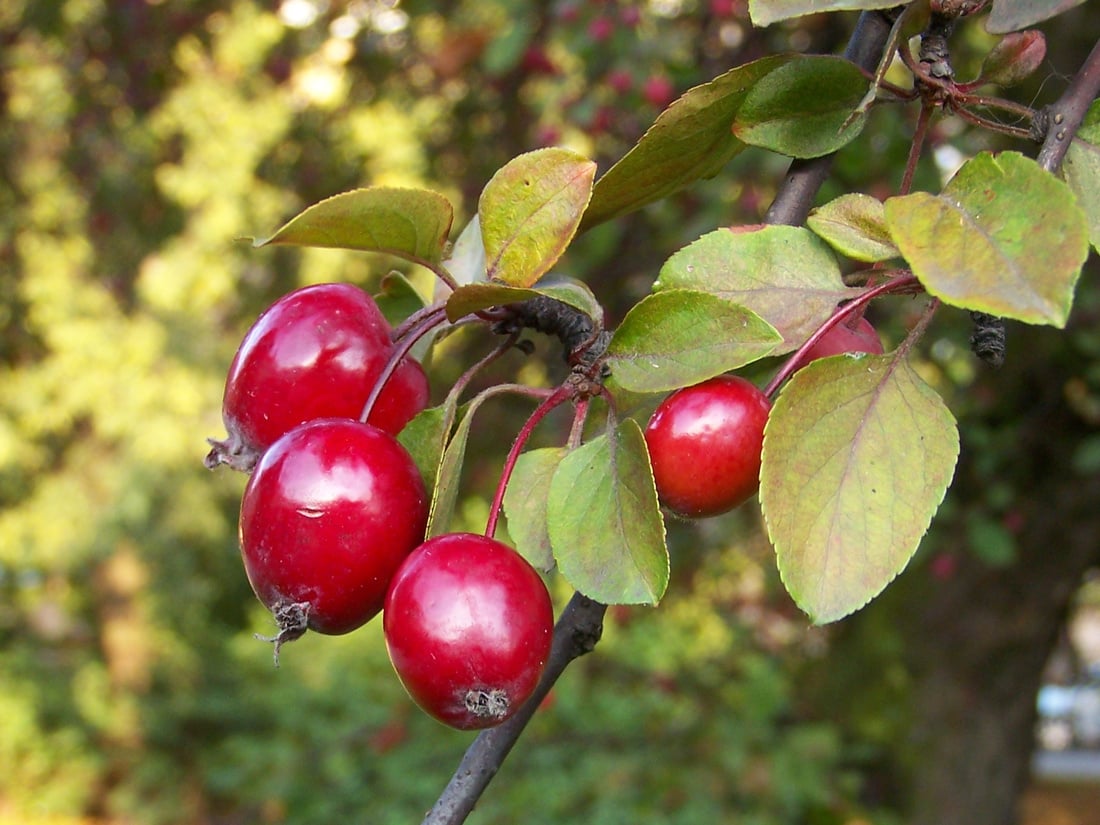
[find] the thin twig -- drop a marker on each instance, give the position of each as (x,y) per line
(1065,115)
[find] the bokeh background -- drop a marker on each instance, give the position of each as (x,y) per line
(142,140)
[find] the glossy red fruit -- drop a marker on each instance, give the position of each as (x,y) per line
(843,338)
(314,353)
(468,627)
(406,393)
(704,444)
(331,511)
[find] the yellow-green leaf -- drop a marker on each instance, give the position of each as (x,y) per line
(410,223)
(858,453)
(605,524)
(855,225)
(530,211)
(766,12)
(1005,237)
(474,297)
(525,503)
(785,274)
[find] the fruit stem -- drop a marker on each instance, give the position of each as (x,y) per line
(904,283)
(464,380)
(917,146)
(401,348)
(917,332)
(576,432)
(416,319)
(556,398)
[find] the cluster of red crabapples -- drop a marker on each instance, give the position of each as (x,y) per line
(334,514)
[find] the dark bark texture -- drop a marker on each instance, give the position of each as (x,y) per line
(976,638)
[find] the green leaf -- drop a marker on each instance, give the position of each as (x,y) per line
(858,453)
(604,521)
(525,503)
(689,141)
(445,493)
(424,437)
(569,291)
(1081,170)
(766,12)
(855,225)
(785,274)
(397,298)
(680,337)
(409,223)
(1005,237)
(1012,15)
(530,211)
(1014,58)
(806,108)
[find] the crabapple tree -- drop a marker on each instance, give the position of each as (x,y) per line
(850,448)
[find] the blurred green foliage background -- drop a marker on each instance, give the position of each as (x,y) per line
(140,142)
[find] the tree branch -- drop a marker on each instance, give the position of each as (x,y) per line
(578,630)
(581,623)
(1063,118)
(804,177)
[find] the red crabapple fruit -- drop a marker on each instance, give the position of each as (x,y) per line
(330,512)
(843,338)
(315,353)
(468,625)
(704,445)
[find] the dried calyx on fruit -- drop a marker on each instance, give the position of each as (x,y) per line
(468,625)
(333,508)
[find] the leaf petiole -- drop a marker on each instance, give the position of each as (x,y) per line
(541,411)
(901,284)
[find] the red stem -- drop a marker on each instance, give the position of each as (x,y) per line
(919,135)
(464,380)
(417,318)
(557,397)
(900,284)
(409,337)
(576,432)
(918,329)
